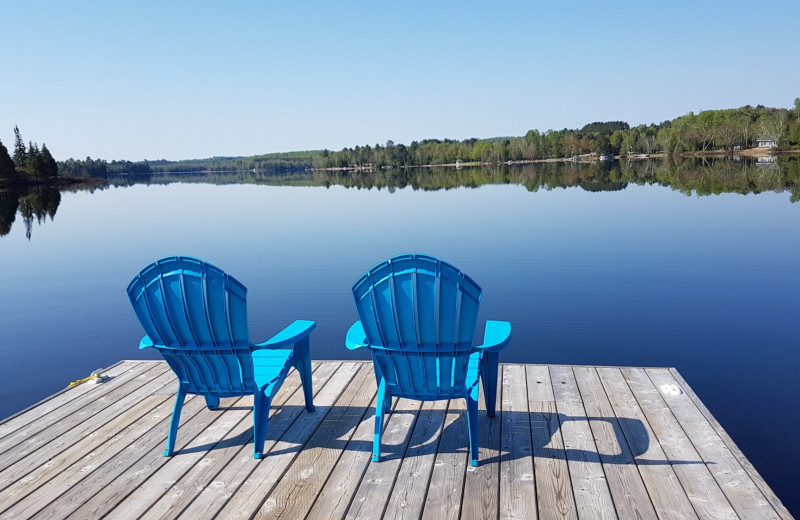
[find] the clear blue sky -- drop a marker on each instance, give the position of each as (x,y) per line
(178,80)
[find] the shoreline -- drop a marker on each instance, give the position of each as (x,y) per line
(589,158)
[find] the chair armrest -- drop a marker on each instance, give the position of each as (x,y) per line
(496,336)
(290,335)
(356,337)
(146,342)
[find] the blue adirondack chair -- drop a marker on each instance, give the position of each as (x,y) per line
(417,317)
(196,316)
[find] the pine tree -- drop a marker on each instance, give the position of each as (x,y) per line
(20,155)
(33,161)
(7,169)
(49,165)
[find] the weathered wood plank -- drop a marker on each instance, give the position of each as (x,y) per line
(589,483)
(119,483)
(745,497)
(61,442)
(376,485)
(408,495)
(255,490)
(158,492)
(71,476)
(627,487)
(237,443)
(539,383)
(445,492)
(705,495)
(83,414)
(481,485)
(241,464)
(25,474)
(565,388)
(39,411)
(517,484)
(774,501)
(295,493)
(113,481)
(554,498)
(102,481)
(334,498)
(666,492)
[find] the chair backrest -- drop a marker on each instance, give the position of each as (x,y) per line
(419,314)
(196,316)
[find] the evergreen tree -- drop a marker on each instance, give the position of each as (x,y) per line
(33,162)
(7,169)
(20,155)
(49,165)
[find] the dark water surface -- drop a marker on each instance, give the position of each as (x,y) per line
(642,275)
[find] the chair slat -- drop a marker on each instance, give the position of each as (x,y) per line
(384,306)
(403,273)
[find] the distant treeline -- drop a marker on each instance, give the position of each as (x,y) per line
(710,130)
(268,163)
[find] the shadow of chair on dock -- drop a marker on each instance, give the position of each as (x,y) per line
(624,440)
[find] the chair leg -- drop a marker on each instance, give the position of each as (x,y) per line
(472,427)
(173,425)
(380,404)
(304,367)
(489,367)
(260,417)
(212,402)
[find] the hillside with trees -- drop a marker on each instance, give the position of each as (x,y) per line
(709,131)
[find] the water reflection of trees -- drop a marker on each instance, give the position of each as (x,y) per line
(37,203)
(692,177)
(699,177)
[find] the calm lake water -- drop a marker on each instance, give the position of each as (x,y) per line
(603,271)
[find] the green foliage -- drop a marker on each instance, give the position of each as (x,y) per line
(20,153)
(710,130)
(7,170)
(85,168)
(607,127)
(49,167)
(31,164)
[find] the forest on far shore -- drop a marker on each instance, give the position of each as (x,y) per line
(710,131)
(692,134)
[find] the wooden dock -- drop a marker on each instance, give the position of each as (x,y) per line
(567,442)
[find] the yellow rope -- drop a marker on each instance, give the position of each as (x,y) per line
(95,375)
(79,381)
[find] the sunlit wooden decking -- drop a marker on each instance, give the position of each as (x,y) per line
(567,442)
